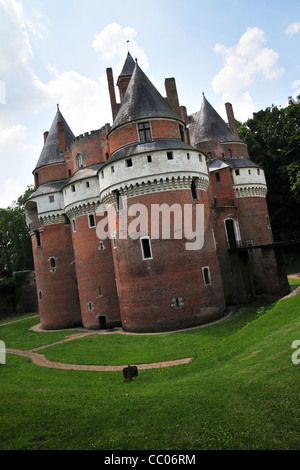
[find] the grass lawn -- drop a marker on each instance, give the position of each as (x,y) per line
(241,391)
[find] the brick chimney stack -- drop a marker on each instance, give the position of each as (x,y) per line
(170,86)
(231,118)
(111,89)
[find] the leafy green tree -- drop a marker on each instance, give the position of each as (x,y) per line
(273,139)
(15,241)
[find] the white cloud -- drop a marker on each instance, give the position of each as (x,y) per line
(112,42)
(10,190)
(13,136)
(243,63)
(293,28)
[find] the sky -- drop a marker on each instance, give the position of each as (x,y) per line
(57,51)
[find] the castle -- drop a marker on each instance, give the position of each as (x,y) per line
(154,155)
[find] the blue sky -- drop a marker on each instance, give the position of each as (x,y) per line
(57,51)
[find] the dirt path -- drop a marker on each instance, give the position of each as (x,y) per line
(41,360)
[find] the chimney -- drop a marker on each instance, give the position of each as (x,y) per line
(111,88)
(231,119)
(170,86)
(45,136)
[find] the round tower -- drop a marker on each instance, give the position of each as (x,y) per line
(93,257)
(155,189)
(51,236)
(238,200)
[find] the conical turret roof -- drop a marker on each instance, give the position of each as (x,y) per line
(142,101)
(51,152)
(210,126)
(128,66)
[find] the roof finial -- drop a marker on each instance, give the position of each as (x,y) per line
(127,44)
(136,59)
(203,94)
(57,106)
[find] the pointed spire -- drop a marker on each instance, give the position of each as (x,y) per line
(128,66)
(142,101)
(51,152)
(210,126)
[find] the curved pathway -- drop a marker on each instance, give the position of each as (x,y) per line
(41,360)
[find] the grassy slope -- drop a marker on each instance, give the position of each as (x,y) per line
(240,392)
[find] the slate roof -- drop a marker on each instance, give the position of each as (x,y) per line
(50,153)
(48,188)
(148,147)
(87,172)
(235,162)
(142,101)
(210,126)
(128,66)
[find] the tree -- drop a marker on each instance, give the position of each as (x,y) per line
(273,139)
(15,241)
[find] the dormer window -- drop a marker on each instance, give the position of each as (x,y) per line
(144,132)
(79,161)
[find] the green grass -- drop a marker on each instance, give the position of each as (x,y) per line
(241,391)
(294,283)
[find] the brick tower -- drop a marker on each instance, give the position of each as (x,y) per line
(161,284)
(50,231)
(238,202)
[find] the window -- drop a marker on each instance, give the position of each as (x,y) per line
(90,306)
(112,169)
(119,200)
(102,174)
(128,162)
(37,238)
(69,173)
(51,198)
(231,233)
(170,155)
(208,156)
(79,161)
(146,248)
(249,172)
(206,276)
(194,189)
(149,158)
(258,172)
(99,291)
(237,172)
(92,222)
(87,184)
(36,179)
(107,156)
(181,130)
(177,302)
(144,132)
(73,188)
(188,156)
(229,153)
(218,179)
(52,265)
(74,225)
(40,294)
(114,240)
(101,246)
